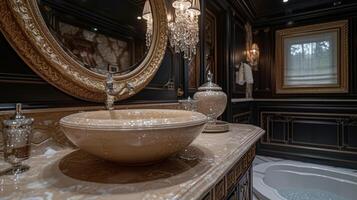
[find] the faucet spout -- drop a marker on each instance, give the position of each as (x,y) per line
(112,92)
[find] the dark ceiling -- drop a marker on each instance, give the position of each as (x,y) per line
(265,9)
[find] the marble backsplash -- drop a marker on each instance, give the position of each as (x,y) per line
(46,130)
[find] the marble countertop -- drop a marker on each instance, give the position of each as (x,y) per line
(73,175)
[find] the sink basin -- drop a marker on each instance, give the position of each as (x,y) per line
(133,137)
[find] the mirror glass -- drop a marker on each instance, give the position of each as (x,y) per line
(101,35)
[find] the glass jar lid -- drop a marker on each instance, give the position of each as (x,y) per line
(18,119)
(209,85)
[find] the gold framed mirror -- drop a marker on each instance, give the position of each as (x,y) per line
(52,56)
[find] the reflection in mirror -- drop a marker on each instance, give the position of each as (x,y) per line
(114,35)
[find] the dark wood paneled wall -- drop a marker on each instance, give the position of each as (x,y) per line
(309,127)
(264,36)
(322,132)
(243,112)
(21,84)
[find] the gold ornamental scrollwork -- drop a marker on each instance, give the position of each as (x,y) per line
(23,26)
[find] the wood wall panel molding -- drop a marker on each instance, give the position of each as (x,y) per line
(336,124)
(324,134)
(242,118)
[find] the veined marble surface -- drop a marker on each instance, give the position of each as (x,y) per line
(73,175)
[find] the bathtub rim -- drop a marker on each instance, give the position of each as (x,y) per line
(259,170)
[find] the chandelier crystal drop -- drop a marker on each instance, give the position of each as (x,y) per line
(184,29)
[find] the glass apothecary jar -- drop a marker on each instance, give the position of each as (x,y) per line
(17,132)
(212,101)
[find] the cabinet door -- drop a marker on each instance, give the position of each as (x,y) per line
(244,187)
(233,195)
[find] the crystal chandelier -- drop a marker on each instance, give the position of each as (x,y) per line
(184,29)
(147,16)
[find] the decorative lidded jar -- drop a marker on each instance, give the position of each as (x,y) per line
(212,101)
(17,133)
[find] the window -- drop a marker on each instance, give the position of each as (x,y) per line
(312,59)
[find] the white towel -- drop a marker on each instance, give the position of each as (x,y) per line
(248,75)
(240,80)
(244,74)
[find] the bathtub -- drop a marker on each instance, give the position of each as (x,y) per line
(290,180)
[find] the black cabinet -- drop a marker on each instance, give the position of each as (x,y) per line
(243,189)
(237,183)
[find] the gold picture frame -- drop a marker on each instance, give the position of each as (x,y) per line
(24,28)
(341,28)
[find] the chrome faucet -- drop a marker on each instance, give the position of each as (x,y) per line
(111,91)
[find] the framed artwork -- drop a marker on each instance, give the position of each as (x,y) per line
(312,59)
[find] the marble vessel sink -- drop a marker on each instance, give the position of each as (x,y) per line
(133,137)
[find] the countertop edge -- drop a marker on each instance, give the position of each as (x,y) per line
(232,159)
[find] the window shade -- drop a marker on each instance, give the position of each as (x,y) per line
(311,60)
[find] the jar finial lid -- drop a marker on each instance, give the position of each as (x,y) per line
(18,113)
(209,76)
(209,85)
(18,119)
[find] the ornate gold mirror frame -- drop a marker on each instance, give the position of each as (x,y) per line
(23,26)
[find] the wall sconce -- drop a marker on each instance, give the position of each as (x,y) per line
(252,50)
(253,56)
